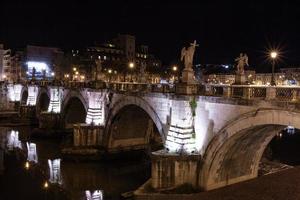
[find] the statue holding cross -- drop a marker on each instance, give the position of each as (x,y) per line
(187,54)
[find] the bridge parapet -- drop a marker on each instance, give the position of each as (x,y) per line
(277,93)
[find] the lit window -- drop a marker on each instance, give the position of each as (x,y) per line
(99,57)
(104,57)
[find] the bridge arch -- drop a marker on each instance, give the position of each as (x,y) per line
(234,153)
(43,100)
(24,95)
(74,109)
(127,104)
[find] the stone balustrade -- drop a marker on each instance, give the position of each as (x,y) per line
(278,93)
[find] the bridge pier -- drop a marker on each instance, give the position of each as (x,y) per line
(86,135)
(173,170)
(49,120)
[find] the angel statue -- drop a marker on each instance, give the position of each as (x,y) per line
(187,54)
(242,60)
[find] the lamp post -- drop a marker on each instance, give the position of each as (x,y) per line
(174,69)
(109,75)
(131,66)
(273,55)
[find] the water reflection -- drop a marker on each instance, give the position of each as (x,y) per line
(95,195)
(76,178)
(31,152)
(54,171)
(13,140)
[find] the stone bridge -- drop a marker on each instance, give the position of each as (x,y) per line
(212,138)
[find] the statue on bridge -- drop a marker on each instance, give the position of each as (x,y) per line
(97,70)
(242,61)
(142,77)
(188,76)
(187,54)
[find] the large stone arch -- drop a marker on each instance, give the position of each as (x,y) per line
(70,96)
(234,153)
(128,101)
(43,100)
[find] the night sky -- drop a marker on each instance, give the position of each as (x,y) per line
(222,29)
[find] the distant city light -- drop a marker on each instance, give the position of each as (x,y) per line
(74,69)
(52,73)
(174,68)
(226,66)
(109,71)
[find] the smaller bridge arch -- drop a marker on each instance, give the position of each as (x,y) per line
(126,102)
(43,100)
(234,153)
(74,108)
(24,95)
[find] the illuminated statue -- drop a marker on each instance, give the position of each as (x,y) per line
(142,77)
(97,71)
(242,60)
(33,73)
(143,68)
(187,54)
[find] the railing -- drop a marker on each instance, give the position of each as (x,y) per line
(141,87)
(277,93)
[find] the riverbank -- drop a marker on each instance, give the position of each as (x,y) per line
(277,186)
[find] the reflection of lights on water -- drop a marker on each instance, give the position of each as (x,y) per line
(46,185)
(96,195)
(55,173)
(13,140)
(27,165)
(31,152)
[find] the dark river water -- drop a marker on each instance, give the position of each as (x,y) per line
(112,178)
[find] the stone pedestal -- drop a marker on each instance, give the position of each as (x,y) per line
(188,85)
(49,120)
(172,170)
(240,79)
(186,89)
(188,76)
(85,135)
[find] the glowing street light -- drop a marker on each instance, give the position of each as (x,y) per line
(74,69)
(109,71)
(273,56)
(131,65)
(174,68)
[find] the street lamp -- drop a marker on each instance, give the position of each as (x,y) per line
(131,66)
(174,68)
(273,55)
(109,74)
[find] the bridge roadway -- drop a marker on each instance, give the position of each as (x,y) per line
(213,135)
